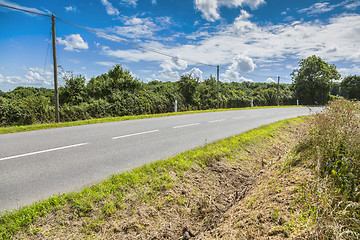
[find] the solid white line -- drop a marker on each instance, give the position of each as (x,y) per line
(219,120)
(238,117)
(135,134)
(43,151)
(187,125)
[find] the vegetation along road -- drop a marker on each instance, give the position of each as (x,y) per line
(37,164)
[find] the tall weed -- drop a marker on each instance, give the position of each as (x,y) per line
(333,150)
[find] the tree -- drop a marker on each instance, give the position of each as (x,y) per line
(188,87)
(312,81)
(121,80)
(350,86)
(97,87)
(74,91)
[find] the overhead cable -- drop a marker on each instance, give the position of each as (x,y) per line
(25,10)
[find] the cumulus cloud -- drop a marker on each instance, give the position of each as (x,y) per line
(33,76)
(333,41)
(169,69)
(73,42)
(210,8)
(109,8)
(270,80)
(242,63)
(233,76)
(353,70)
(195,73)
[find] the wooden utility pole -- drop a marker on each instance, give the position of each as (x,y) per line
(278,97)
(217,77)
(57,116)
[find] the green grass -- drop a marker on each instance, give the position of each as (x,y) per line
(149,180)
(24,128)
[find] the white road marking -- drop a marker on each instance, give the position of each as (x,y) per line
(43,151)
(219,120)
(238,117)
(187,125)
(135,134)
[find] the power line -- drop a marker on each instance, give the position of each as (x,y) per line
(25,10)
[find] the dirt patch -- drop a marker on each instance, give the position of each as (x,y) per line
(249,196)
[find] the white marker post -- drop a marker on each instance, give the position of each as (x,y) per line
(297,102)
(252,103)
(175,105)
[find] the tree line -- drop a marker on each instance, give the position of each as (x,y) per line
(118,93)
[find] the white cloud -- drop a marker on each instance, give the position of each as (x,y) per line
(73,42)
(353,70)
(233,76)
(196,73)
(317,8)
(169,67)
(352,5)
(71,9)
(242,63)
(270,80)
(210,8)
(153,2)
(109,8)
(335,40)
(107,64)
(32,77)
(323,7)
(131,3)
(166,75)
(138,27)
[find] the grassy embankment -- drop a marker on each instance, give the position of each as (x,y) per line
(24,128)
(297,178)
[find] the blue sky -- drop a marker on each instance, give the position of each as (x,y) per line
(251,40)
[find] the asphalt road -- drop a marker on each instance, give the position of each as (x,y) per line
(38,164)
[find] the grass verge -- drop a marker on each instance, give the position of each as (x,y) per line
(92,208)
(24,128)
(331,150)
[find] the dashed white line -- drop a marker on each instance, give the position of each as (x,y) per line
(135,134)
(187,125)
(238,117)
(42,151)
(219,120)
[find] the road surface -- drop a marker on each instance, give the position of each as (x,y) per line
(38,164)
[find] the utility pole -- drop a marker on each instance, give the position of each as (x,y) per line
(217,77)
(278,90)
(57,116)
